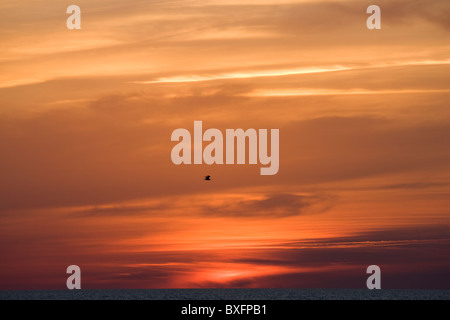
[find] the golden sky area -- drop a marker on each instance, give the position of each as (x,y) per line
(86,117)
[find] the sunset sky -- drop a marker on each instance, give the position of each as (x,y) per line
(86,118)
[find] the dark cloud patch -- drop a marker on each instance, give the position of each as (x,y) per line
(276,205)
(412,185)
(434,232)
(270,205)
(249,282)
(355,278)
(426,244)
(415,254)
(413,258)
(409,12)
(122,210)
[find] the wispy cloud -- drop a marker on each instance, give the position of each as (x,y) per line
(240,75)
(289,72)
(332,92)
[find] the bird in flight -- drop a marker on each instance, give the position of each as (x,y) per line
(208,178)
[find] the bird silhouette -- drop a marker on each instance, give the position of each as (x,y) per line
(208,178)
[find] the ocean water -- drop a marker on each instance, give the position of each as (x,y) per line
(227,294)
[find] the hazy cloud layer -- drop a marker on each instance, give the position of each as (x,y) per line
(119,147)
(168,36)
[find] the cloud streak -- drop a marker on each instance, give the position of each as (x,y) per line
(295,71)
(255,74)
(333,92)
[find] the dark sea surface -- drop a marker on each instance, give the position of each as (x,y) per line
(227,294)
